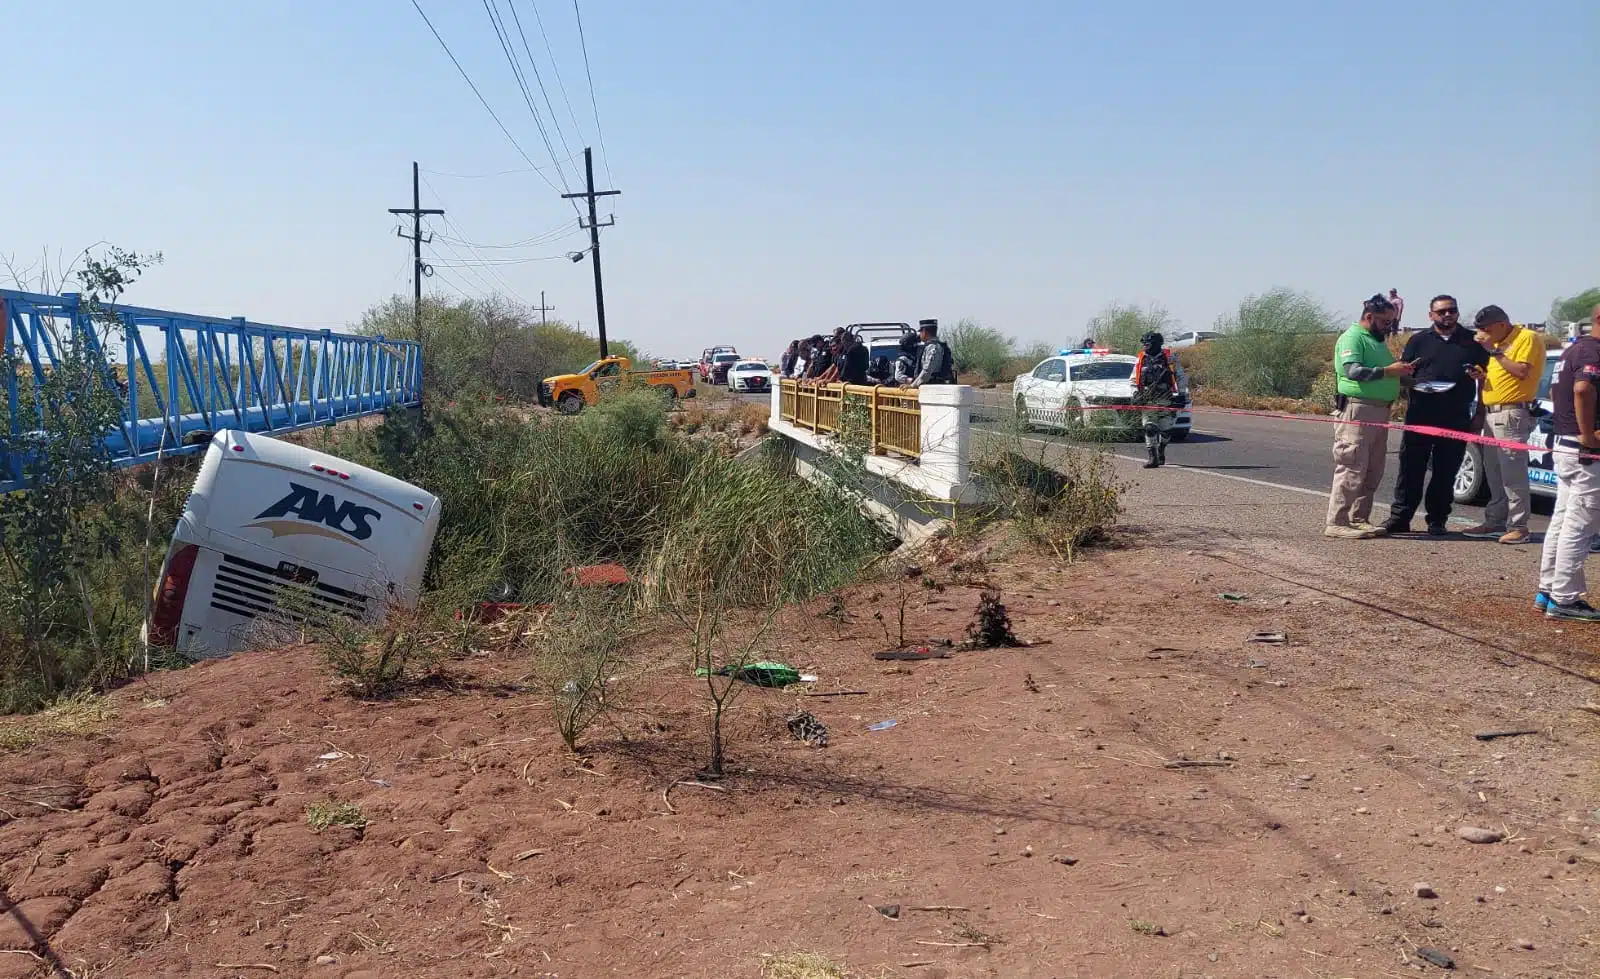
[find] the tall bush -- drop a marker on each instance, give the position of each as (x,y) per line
(979,349)
(1271,345)
(1119,326)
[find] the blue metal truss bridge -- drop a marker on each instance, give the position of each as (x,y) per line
(178,374)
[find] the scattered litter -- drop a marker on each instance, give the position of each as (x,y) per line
(1257,664)
(914,653)
(804,727)
(1491,735)
(1424,891)
(1270,637)
(332,756)
(525,854)
(1229,596)
(381,783)
(808,678)
(599,575)
(1473,834)
(882,725)
(1435,957)
(759,674)
(891,911)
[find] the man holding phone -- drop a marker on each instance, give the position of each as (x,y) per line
(1368,382)
(1575,395)
(1509,389)
(1443,395)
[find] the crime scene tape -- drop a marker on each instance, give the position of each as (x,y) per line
(1473,437)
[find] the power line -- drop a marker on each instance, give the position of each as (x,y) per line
(419,268)
(492,7)
(598,131)
(556,67)
(566,230)
(516,18)
(468,79)
(499,173)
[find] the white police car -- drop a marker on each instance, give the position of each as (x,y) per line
(1062,392)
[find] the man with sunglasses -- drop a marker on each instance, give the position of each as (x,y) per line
(1443,395)
(1510,391)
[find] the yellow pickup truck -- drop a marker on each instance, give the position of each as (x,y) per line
(571,393)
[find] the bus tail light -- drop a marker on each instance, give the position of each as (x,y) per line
(166,611)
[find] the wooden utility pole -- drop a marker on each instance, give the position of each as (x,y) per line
(418,267)
(544,311)
(594,227)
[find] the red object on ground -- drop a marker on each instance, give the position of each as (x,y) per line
(595,575)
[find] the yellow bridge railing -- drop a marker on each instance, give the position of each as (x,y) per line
(890,417)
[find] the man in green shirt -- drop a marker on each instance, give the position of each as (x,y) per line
(1368,382)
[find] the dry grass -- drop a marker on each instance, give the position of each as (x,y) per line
(76,716)
(750,417)
(801,965)
(327,813)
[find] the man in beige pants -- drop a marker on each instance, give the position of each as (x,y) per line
(1368,382)
(1509,390)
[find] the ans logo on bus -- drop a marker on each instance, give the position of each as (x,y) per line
(317,513)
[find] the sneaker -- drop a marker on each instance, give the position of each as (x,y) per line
(1346,532)
(1541,601)
(1372,529)
(1395,525)
(1579,610)
(1437,530)
(1517,536)
(1483,532)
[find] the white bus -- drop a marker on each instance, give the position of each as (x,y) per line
(275,535)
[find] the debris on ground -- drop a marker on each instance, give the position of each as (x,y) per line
(882,725)
(1492,735)
(914,653)
(763,674)
(1267,637)
(1435,957)
(1473,834)
(891,911)
(805,727)
(1424,891)
(1229,596)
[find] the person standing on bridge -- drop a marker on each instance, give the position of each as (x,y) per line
(937,366)
(1368,383)
(1575,397)
(790,355)
(1155,383)
(1509,391)
(1443,395)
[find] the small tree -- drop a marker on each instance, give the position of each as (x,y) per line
(721,649)
(1575,309)
(50,534)
(1119,326)
(1270,347)
(979,349)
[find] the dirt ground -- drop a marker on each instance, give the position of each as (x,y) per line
(1021,812)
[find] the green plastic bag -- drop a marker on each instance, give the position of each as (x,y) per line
(760,674)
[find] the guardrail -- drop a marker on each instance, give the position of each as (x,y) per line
(202,375)
(890,417)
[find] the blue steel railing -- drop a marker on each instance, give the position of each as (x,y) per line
(206,374)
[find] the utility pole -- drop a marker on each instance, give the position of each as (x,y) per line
(594,227)
(544,311)
(419,268)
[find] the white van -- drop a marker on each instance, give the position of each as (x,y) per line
(275,535)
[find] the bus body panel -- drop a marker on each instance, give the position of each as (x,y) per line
(288,536)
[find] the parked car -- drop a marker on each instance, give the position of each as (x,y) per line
(751,376)
(715,369)
(1189,338)
(1061,391)
(708,359)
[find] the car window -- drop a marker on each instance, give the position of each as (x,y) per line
(1549,375)
(609,370)
(1182,337)
(1206,335)
(1052,366)
(751,367)
(726,358)
(1103,370)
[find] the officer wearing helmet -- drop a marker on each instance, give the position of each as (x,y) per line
(1155,383)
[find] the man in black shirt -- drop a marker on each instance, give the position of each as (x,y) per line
(1443,395)
(853,363)
(1575,398)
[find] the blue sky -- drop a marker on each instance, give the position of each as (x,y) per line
(791,166)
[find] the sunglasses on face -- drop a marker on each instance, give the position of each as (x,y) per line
(1447,311)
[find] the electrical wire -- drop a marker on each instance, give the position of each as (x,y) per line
(488,108)
(492,8)
(496,173)
(556,67)
(598,130)
(566,230)
(517,19)
(451,226)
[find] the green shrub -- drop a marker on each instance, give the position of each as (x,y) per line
(1119,326)
(1275,344)
(979,349)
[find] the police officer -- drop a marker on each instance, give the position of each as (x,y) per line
(1155,382)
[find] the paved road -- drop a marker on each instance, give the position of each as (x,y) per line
(1295,454)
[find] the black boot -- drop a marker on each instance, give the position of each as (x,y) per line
(1161,453)
(1153,458)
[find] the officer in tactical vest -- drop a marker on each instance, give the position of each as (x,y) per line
(1155,382)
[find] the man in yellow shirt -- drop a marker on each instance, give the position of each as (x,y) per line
(1509,388)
